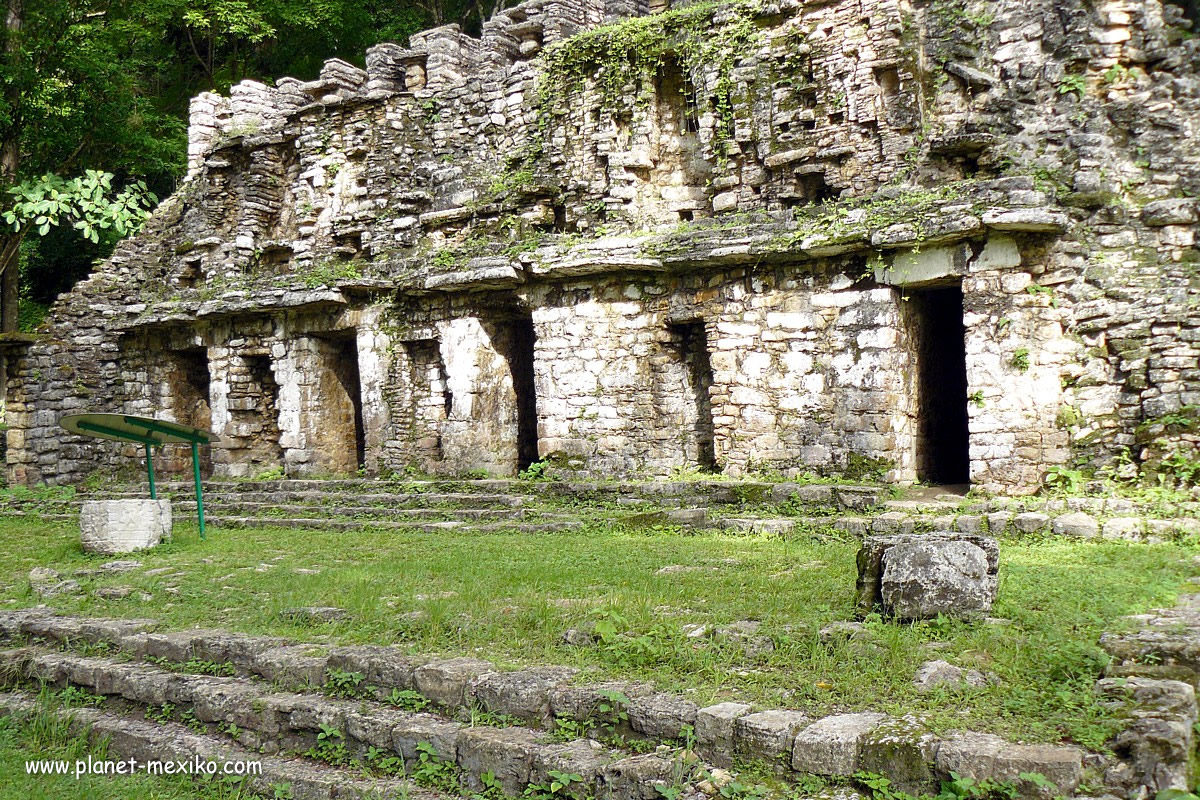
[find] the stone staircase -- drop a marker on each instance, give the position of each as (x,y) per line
(478,505)
(731,507)
(458,725)
(757,507)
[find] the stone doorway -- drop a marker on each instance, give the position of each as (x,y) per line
(190,401)
(689,347)
(521,339)
(938,344)
(335,413)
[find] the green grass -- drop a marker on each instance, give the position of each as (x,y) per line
(509,597)
(44,736)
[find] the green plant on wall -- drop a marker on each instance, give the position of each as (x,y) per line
(1020,359)
(704,36)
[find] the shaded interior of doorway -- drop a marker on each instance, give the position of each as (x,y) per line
(942,429)
(520,363)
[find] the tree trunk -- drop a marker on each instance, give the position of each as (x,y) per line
(10,163)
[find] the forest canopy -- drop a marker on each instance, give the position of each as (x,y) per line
(93,108)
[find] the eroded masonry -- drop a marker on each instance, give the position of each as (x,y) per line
(950,241)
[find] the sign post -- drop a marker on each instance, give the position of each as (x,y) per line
(151,433)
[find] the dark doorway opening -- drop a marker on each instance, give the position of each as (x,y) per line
(345,367)
(520,364)
(190,401)
(259,395)
(939,345)
(691,340)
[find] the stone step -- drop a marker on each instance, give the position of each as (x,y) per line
(1165,645)
(170,742)
(330,523)
(791,740)
(312,496)
(275,722)
(710,492)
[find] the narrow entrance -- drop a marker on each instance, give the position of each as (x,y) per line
(939,345)
(345,367)
(520,364)
(189,386)
(259,396)
(691,341)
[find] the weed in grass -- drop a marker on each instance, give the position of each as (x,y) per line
(77,696)
(481,717)
(161,714)
(559,786)
(432,772)
(407,699)
(330,747)
(193,722)
(381,762)
(201,667)
(568,729)
(342,684)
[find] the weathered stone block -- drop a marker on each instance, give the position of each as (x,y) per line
(714,731)
(661,716)
(505,752)
(445,682)
(524,694)
(441,735)
(980,756)
(903,751)
(917,576)
(767,735)
(833,745)
(923,580)
(123,526)
(637,776)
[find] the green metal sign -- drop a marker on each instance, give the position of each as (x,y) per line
(148,432)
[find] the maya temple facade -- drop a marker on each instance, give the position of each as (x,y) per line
(944,241)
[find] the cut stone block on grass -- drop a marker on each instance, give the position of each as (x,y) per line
(123,526)
(583,757)
(661,716)
(902,750)
(441,735)
(383,666)
(923,575)
(833,745)
(292,666)
(635,777)
(982,755)
(507,753)
(585,702)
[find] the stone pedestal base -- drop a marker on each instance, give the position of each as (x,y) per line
(122,526)
(923,575)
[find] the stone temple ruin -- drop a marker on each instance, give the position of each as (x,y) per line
(950,241)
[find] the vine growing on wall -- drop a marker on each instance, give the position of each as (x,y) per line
(705,40)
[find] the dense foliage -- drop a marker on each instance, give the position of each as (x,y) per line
(92,88)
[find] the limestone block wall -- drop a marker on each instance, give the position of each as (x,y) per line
(740,256)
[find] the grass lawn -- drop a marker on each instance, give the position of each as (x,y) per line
(510,597)
(41,737)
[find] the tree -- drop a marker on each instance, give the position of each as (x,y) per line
(71,96)
(93,88)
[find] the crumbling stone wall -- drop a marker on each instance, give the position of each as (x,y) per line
(686,238)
